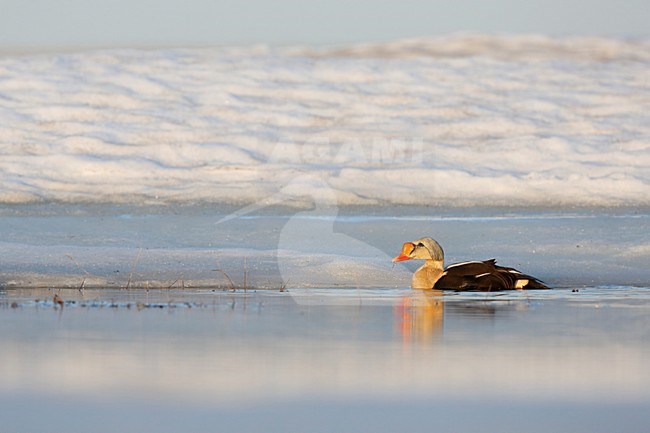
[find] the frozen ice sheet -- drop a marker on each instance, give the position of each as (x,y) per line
(61,246)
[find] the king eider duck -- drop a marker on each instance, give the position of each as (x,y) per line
(478,276)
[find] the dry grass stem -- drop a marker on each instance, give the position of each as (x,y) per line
(77,263)
(82,269)
(245,274)
(232,285)
(133,266)
(176,281)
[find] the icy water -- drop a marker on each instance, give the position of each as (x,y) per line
(324,360)
(321,332)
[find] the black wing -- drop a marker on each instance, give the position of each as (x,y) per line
(485,276)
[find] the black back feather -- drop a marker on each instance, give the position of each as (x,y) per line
(484,276)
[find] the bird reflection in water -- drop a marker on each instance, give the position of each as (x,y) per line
(419,316)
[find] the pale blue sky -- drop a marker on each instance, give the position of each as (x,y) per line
(45,24)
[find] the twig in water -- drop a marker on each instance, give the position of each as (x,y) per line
(58,301)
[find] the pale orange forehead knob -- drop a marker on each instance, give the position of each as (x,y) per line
(408,248)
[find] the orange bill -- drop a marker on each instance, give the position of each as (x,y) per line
(407,249)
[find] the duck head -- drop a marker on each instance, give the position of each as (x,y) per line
(421,249)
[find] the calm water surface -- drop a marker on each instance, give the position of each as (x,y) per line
(325,360)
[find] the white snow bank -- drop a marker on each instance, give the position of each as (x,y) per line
(460,120)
